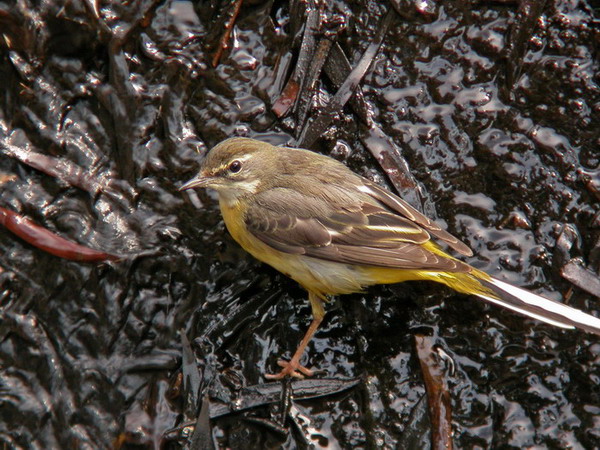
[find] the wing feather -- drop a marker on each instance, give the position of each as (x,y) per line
(404,256)
(400,206)
(362,231)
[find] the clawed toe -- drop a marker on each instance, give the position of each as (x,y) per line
(290,369)
(293,368)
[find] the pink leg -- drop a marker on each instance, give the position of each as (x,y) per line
(293,368)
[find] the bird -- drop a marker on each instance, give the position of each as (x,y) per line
(336,232)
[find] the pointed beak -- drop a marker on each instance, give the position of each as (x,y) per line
(199,181)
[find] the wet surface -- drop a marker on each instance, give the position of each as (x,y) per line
(497,120)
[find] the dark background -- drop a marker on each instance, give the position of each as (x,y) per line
(497,117)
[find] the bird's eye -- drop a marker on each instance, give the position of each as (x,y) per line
(235,166)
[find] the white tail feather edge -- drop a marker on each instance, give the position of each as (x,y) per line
(529,298)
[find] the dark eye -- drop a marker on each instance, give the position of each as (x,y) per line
(235,166)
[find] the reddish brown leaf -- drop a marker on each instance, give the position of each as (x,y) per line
(287,98)
(48,241)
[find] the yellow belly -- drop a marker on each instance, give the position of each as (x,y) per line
(318,276)
(324,278)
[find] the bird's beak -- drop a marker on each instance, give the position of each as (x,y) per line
(199,181)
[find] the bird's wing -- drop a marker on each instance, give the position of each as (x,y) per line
(362,233)
(401,207)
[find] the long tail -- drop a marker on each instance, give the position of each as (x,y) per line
(538,307)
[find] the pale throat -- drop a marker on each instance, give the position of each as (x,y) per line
(231,195)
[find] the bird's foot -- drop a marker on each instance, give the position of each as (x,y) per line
(290,369)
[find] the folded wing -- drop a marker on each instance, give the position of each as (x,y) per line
(365,231)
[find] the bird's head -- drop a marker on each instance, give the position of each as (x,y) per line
(236,168)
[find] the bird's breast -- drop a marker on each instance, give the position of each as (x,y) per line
(233,213)
(318,276)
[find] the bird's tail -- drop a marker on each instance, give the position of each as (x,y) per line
(537,307)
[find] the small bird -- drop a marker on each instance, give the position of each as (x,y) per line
(335,232)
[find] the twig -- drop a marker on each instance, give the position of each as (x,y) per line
(438,396)
(223,43)
(319,125)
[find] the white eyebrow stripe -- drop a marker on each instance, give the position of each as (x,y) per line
(243,158)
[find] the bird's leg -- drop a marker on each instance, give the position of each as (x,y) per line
(293,368)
